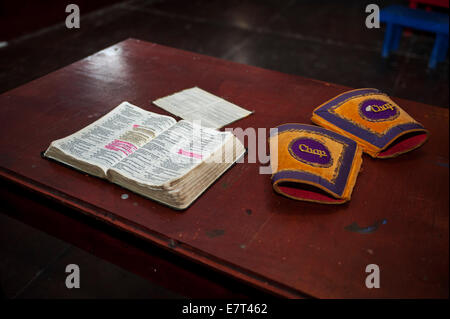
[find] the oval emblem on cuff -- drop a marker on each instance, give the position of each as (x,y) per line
(310,151)
(375,110)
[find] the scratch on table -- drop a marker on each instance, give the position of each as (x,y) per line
(441,161)
(259,229)
(215,233)
(442,164)
(353,227)
(195,235)
(173,243)
(231,180)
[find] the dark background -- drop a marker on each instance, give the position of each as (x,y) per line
(325,40)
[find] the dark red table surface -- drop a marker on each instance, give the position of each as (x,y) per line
(240,226)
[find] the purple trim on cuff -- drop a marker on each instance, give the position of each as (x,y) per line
(312,128)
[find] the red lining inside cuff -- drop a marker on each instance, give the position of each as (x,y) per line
(308,195)
(404,144)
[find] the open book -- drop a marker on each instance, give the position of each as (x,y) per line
(150,154)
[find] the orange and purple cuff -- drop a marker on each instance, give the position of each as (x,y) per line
(313,164)
(381,127)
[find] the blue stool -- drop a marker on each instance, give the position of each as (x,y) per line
(396,17)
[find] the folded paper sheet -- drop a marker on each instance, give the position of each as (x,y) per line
(313,164)
(373,120)
(197,105)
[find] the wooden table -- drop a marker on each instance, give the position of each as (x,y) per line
(239,238)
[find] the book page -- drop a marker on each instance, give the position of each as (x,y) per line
(114,136)
(195,104)
(171,154)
